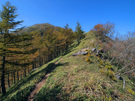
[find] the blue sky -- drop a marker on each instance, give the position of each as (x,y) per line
(87,12)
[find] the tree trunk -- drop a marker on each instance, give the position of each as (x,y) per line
(33,66)
(21,75)
(24,71)
(28,69)
(17,75)
(40,61)
(14,77)
(8,81)
(3,76)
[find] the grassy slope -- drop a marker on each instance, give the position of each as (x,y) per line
(72,79)
(75,79)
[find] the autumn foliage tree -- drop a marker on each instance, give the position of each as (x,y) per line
(104,31)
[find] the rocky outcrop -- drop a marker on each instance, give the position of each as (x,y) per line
(81,52)
(85,51)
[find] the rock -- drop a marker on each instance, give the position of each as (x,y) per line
(93,50)
(84,53)
(119,77)
(99,52)
(81,52)
(75,54)
(85,49)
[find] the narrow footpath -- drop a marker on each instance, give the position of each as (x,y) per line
(39,86)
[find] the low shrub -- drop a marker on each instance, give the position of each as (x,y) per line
(131,91)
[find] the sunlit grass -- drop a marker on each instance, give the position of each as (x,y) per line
(81,80)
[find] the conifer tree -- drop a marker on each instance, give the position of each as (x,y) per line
(69,34)
(7,16)
(79,32)
(12,45)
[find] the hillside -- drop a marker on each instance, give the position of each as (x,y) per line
(42,28)
(74,78)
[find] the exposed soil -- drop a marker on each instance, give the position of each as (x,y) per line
(39,86)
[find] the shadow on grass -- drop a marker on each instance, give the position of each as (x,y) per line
(57,93)
(74,45)
(70,49)
(53,94)
(32,76)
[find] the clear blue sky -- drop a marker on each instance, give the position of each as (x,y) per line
(87,12)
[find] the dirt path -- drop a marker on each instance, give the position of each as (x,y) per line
(39,86)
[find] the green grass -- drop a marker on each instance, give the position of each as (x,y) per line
(73,79)
(79,80)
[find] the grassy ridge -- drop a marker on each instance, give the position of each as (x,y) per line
(72,79)
(79,80)
(75,79)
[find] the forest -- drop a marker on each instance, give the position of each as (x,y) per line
(23,50)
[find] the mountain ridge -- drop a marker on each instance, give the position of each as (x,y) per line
(74,78)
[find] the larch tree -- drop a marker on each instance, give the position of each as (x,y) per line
(70,36)
(7,16)
(79,32)
(11,43)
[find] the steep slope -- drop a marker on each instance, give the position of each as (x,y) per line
(73,78)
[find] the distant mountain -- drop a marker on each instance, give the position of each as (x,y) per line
(39,27)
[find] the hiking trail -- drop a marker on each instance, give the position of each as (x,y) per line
(39,85)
